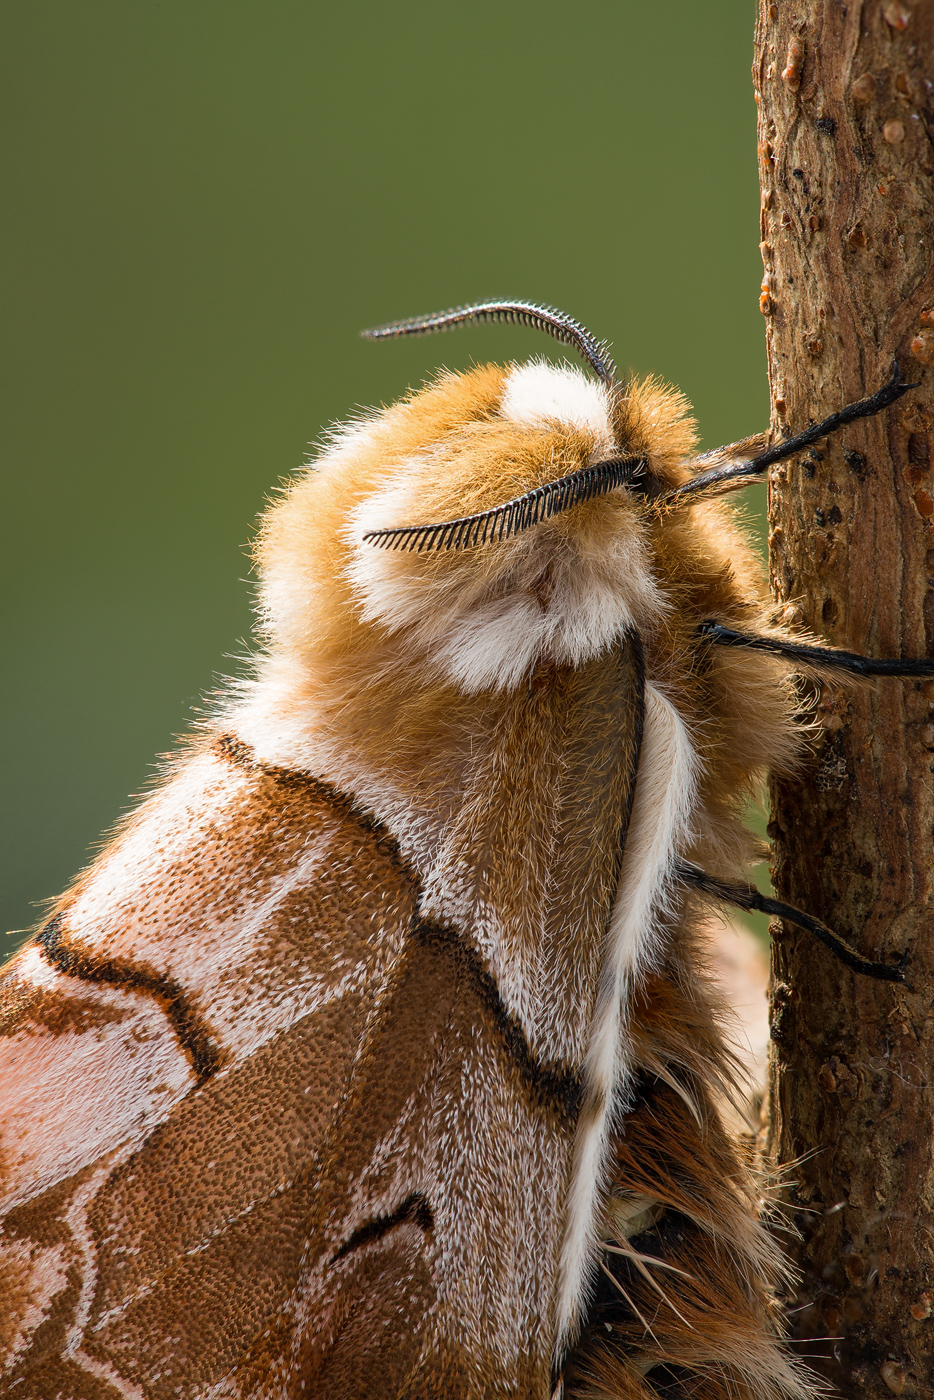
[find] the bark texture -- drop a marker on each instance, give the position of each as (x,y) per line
(846,120)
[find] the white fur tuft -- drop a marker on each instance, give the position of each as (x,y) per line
(659,831)
(486,630)
(538,394)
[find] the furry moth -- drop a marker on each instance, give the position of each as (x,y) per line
(374,1057)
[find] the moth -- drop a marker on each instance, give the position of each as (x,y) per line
(376,1056)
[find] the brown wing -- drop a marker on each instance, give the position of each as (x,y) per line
(171,1062)
(274,1130)
(270,1132)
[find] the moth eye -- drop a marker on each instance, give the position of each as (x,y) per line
(521,513)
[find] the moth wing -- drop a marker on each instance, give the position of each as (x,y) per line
(172,1059)
(288,1128)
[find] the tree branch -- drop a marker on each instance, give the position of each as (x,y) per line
(846,118)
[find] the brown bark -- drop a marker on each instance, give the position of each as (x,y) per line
(846,120)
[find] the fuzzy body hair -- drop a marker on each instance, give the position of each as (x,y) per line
(429,1106)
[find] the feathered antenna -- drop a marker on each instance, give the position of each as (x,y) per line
(500,522)
(521,313)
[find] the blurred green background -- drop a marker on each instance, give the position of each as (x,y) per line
(205,199)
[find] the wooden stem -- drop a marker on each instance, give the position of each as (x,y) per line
(846,124)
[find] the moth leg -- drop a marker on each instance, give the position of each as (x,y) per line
(822,657)
(730,474)
(745,896)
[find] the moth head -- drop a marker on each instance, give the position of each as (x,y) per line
(500,519)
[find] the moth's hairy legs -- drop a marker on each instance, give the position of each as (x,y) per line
(821,657)
(732,474)
(745,896)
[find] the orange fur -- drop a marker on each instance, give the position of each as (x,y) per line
(374,684)
(397,864)
(739,711)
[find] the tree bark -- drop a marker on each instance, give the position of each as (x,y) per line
(846,121)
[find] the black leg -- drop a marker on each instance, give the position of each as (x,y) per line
(822,657)
(752,469)
(745,896)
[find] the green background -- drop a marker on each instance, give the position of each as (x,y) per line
(205,201)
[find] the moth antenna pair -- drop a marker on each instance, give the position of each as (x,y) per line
(522,512)
(512,517)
